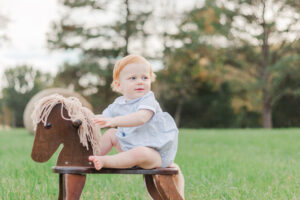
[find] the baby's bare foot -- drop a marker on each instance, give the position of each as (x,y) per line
(97,162)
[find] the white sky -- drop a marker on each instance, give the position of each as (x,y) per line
(27,28)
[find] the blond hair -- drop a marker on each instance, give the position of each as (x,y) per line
(122,63)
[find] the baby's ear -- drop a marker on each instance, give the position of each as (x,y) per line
(116,86)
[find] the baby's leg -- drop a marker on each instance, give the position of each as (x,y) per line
(143,157)
(109,140)
(179,180)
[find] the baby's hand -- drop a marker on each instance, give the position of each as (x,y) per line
(104,121)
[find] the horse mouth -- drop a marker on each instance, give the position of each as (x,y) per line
(39,157)
(42,152)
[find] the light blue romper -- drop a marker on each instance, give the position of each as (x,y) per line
(160,132)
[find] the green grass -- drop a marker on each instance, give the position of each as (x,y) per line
(217,164)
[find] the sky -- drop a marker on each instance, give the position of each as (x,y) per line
(29,22)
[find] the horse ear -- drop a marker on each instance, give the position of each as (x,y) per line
(77,123)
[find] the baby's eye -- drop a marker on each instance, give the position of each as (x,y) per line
(145,78)
(132,78)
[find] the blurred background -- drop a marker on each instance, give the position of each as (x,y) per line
(219,63)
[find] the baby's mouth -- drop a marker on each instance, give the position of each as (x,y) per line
(139,89)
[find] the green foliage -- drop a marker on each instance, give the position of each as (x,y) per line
(22,83)
(197,61)
(90,80)
(237,43)
(206,108)
(99,42)
(286,111)
(264,50)
(224,61)
(286,107)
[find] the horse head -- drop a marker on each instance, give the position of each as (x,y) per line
(58,131)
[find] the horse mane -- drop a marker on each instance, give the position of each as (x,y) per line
(87,130)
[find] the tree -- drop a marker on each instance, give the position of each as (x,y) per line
(251,48)
(99,42)
(267,39)
(22,82)
(192,61)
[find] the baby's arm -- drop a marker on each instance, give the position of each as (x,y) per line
(134,119)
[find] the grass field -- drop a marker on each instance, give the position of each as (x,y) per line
(217,164)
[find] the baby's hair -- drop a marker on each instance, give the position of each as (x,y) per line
(120,65)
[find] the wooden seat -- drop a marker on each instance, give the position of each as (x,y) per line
(92,170)
(159,182)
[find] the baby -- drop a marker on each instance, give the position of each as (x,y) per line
(145,136)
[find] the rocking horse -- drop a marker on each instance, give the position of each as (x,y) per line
(60,120)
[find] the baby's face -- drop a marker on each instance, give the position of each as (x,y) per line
(135,80)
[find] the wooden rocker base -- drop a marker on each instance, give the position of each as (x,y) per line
(159,182)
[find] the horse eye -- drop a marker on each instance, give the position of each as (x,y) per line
(48,125)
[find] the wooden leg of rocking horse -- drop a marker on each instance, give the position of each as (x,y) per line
(74,186)
(166,187)
(151,188)
(62,191)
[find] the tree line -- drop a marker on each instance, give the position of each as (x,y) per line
(225,63)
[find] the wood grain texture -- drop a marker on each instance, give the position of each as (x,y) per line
(92,170)
(166,187)
(151,187)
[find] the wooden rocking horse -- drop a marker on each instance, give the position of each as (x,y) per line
(58,127)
